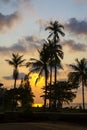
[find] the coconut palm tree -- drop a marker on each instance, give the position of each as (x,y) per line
(79,75)
(16,61)
(55,30)
(40,66)
(55,54)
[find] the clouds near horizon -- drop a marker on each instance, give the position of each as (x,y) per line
(27,44)
(74,46)
(21,76)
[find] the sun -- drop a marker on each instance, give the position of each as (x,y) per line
(37,105)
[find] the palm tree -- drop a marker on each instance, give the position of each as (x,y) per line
(41,67)
(55,30)
(16,61)
(55,54)
(79,75)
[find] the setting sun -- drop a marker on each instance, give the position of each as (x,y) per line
(37,105)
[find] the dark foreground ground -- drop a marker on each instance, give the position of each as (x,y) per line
(43,121)
(41,126)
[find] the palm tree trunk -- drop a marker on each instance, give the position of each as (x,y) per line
(50,86)
(15,80)
(45,93)
(83,98)
(45,87)
(55,74)
(14,100)
(55,84)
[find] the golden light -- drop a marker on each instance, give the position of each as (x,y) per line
(40,82)
(37,105)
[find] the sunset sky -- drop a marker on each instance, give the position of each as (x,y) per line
(22,24)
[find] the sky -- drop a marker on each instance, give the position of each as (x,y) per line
(22,30)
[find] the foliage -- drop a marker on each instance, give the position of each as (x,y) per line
(63,92)
(79,74)
(25,94)
(40,66)
(12,97)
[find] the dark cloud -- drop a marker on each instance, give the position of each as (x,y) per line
(21,76)
(73,46)
(33,40)
(27,44)
(7,21)
(77,27)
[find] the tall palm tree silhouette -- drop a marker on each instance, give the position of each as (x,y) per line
(55,29)
(54,54)
(79,75)
(40,66)
(16,61)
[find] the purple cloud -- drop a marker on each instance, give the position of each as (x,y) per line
(76,26)
(27,44)
(7,21)
(73,46)
(21,76)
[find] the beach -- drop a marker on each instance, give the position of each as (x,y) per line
(41,126)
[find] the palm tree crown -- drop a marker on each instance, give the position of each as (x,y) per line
(55,30)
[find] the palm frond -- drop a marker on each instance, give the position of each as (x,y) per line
(39,76)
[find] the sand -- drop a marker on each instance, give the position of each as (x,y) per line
(41,126)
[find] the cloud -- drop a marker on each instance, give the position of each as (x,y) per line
(74,47)
(77,27)
(27,44)
(21,76)
(7,21)
(17,4)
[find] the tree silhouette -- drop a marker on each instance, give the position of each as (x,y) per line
(25,94)
(79,75)
(54,54)
(40,66)
(16,61)
(63,92)
(55,29)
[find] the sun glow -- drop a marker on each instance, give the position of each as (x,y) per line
(33,78)
(37,105)
(37,88)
